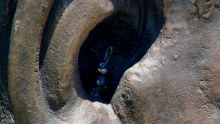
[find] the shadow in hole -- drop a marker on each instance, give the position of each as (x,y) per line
(128,36)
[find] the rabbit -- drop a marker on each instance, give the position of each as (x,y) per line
(102,70)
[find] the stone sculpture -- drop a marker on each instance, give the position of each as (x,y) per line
(173,79)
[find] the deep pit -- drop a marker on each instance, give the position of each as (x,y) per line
(117,43)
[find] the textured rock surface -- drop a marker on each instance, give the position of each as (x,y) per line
(177,81)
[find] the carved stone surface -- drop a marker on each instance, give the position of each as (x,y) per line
(176,81)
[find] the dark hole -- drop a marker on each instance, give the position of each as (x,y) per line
(129,33)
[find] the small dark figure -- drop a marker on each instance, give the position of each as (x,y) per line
(102,71)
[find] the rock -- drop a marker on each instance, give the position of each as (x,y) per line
(182,91)
(176,81)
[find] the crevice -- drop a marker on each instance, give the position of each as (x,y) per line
(7,11)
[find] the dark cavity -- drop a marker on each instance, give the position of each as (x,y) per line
(116,44)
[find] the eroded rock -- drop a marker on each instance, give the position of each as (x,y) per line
(176,81)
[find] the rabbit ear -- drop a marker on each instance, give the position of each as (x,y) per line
(108,54)
(97,54)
